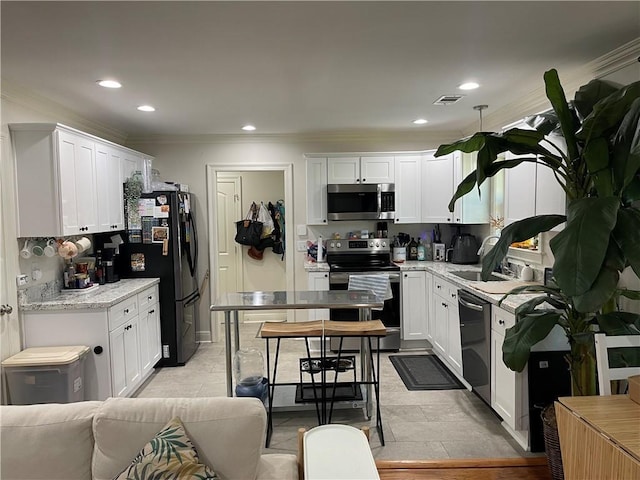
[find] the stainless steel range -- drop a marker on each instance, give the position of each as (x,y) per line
(366,257)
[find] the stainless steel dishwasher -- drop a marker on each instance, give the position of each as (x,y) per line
(475,338)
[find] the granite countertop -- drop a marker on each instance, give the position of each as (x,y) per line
(104,296)
(443,270)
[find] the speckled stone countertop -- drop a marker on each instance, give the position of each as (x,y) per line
(104,296)
(443,270)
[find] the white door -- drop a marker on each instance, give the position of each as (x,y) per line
(437,188)
(9,324)
(228,196)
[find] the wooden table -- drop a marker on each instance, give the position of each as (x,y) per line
(599,437)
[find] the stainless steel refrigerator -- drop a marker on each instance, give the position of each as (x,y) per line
(161,241)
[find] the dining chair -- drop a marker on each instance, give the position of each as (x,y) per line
(606,372)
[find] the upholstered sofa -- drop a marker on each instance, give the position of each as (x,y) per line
(97,440)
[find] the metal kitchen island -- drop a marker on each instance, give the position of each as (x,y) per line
(361,300)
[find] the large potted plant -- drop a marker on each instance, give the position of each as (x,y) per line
(600,173)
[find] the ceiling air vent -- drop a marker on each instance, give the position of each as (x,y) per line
(448,99)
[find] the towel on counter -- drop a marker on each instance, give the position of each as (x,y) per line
(378,283)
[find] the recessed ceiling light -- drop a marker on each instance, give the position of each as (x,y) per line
(468,86)
(146,108)
(248,128)
(109,83)
(420,121)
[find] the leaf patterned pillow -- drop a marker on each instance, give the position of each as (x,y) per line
(170,455)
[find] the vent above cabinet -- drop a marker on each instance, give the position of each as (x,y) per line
(448,99)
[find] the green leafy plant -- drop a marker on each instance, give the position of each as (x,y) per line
(600,174)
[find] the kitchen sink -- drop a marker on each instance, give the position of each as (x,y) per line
(475,276)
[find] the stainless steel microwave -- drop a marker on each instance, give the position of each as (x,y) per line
(365,201)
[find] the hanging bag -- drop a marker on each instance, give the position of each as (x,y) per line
(249,230)
(267,221)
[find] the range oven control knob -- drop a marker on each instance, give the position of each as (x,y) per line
(332,245)
(377,244)
(371,244)
(338,245)
(384,244)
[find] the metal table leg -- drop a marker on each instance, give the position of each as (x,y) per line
(227,339)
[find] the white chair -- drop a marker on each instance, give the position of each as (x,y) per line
(606,373)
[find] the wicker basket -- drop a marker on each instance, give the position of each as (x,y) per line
(552,442)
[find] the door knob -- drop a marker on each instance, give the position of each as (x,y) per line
(6,309)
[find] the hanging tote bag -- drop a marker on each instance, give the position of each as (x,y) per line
(249,230)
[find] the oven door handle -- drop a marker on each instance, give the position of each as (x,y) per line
(341,278)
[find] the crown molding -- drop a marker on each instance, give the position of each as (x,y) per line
(301,138)
(571,78)
(26,98)
(621,57)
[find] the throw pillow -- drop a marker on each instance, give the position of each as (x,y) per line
(170,455)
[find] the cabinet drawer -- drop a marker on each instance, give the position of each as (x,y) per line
(445,290)
(148,297)
(501,319)
(122,312)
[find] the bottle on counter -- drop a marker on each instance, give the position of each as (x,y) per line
(99,268)
(428,247)
(422,254)
(412,250)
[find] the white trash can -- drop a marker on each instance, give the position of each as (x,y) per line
(46,375)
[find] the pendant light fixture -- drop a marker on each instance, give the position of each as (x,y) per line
(480,108)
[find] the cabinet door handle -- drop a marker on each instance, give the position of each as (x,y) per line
(326,275)
(406,275)
(444,305)
(151,311)
(364,179)
(501,322)
(126,310)
(149,297)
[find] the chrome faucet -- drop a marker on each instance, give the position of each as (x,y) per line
(484,243)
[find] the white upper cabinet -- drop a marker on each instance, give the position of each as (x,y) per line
(316,191)
(68,182)
(408,192)
(531,189)
(374,169)
(377,170)
(437,188)
(440,179)
(109,187)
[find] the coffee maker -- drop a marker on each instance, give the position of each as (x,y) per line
(110,261)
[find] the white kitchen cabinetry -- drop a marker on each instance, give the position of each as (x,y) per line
(318,281)
(124,341)
(440,179)
(149,322)
(415,321)
(446,335)
(408,196)
(109,188)
(503,380)
(64,178)
(316,191)
(131,163)
(125,358)
(374,169)
(532,189)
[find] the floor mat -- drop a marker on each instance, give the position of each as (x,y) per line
(424,372)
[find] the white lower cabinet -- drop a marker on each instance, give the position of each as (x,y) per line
(318,281)
(125,358)
(446,324)
(415,311)
(507,386)
(124,341)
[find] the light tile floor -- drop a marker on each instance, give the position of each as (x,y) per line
(418,425)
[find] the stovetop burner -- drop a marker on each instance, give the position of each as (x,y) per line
(360,255)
